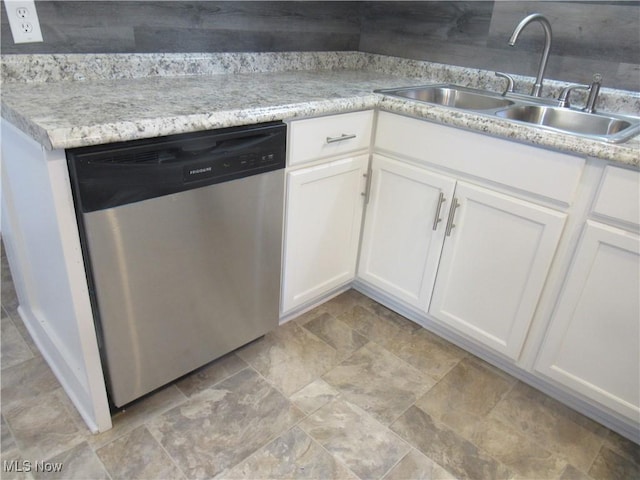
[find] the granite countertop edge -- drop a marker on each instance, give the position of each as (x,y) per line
(65,138)
(311,91)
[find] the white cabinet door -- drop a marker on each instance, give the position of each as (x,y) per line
(593,341)
(322,228)
(402,241)
(493,267)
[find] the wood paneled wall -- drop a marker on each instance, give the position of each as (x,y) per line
(191,26)
(589,36)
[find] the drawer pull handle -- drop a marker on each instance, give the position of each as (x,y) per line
(341,138)
(437,219)
(452,213)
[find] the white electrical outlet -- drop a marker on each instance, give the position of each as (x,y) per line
(23,20)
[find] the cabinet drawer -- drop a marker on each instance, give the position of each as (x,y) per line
(333,135)
(619,195)
(550,174)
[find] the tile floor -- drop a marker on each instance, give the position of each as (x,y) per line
(349,390)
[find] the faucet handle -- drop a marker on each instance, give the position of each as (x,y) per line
(563,99)
(510,82)
(594,90)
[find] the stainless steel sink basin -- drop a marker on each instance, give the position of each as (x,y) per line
(451,96)
(534,111)
(607,127)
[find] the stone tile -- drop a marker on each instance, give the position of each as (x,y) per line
(334,306)
(472,387)
(9,296)
(293,455)
(416,466)
(337,334)
(367,323)
(137,455)
(444,446)
(623,446)
(424,350)
(78,463)
(366,447)
(8,443)
(344,302)
(305,317)
(13,347)
(26,336)
(289,357)
(612,466)
(378,382)
(42,427)
(138,413)
(392,317)
(26,381)
(549,423)
(74,414)
(517,452)
(313,396)
(572,473)
(211,374)
(224,424)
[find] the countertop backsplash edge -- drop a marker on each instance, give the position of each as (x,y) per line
(43,68)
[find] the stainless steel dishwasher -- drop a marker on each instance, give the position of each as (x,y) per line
(181,238)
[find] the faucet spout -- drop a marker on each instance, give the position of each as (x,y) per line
(536,17)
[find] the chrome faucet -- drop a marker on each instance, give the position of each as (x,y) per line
(593,90)
(536,17)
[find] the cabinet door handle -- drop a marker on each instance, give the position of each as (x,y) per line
(452,213)
(341,138)
(437,219)
(367,186)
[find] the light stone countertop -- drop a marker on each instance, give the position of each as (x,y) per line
(68,114)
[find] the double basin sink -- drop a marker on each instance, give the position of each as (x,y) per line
(533,111)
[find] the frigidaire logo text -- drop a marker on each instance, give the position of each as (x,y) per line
(196,171)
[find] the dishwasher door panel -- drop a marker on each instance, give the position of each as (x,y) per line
(185,278)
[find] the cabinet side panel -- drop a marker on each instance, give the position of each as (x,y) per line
(54,301)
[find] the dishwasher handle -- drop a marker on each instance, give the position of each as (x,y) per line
(117,174)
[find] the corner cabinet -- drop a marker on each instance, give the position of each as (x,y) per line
(475,259)
(450,230)
(592,344)
(326,185)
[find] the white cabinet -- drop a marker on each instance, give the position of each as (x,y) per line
(323,220)
(324,205)
(592,344)
(480,269)
(494,264)
(402,239)
(482,254)
(330,136)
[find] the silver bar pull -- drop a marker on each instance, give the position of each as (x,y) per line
(341,138)
(367,187)
(452,213)
(437,219)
